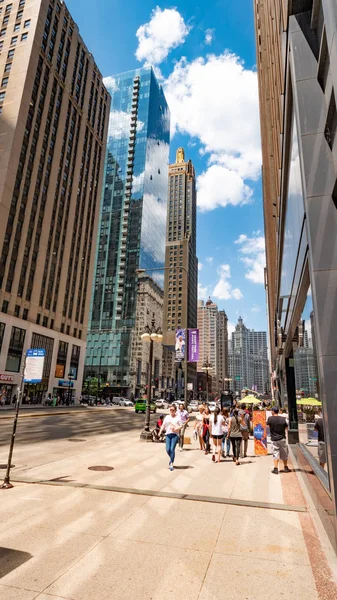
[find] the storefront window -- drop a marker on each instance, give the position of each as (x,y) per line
(311,431)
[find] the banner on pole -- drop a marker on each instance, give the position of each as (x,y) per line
(180,344)
(193,345)
(260,432)
(34,365)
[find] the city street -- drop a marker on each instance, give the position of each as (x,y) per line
(205,531)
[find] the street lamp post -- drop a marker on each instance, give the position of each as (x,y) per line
(70,378)
(207,367)
(151,334)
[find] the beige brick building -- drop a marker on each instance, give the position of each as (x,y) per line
(53,125)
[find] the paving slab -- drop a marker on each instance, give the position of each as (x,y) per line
(52,553)
(124,569)
(15,593)
(265,534)
(89,511)
(234,578)
(175,523)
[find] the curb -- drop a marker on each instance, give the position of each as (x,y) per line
(39,414)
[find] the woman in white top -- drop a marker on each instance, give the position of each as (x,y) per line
(172,425)
(198,426)
(216,424)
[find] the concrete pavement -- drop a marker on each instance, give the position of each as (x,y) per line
(65,540)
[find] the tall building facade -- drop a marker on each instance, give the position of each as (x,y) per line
(149,309)
(248,361)
(54,113)
(208,339)
(222,350)
(181,274)
(297,74)
(132,220)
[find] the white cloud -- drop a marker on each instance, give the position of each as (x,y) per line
(154,230)
(215,100)
(165,30)
(110,83)
(209,36)
(223,289)
(200,266)
(203,292)
(252,254)
(256,309)
(209,259)
(219,186)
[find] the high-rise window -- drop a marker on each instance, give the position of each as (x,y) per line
(15,349)
(2,333)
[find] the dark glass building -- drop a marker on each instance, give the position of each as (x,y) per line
(297,70)
(132,220)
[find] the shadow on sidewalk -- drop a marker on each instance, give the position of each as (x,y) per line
(11,559)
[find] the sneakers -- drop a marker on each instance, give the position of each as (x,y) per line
(171,467)
(275,471)
(287,470)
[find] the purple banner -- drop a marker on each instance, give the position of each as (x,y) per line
(193,345)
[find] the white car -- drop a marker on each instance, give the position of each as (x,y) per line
(125,403)
(212,406)
(194,406)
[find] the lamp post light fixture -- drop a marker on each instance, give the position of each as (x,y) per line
(151,334)
(207,366)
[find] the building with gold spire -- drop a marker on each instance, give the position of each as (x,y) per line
(181,275)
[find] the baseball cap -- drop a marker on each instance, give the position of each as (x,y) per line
(275,409)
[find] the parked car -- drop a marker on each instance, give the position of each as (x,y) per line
(161,403)
(194,406)
(212,406)
(140,406)
(117,400)
(125,403)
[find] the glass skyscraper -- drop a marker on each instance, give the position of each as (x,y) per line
(132,219)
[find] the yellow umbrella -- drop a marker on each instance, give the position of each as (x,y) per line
(309,402)
(251,400)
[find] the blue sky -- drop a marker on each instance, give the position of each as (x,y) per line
(205,58)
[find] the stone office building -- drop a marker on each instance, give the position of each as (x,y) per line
(54,113)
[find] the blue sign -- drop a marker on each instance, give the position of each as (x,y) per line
(34,365)
(63,383)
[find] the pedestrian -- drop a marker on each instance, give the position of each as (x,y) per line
(184,418)
(198,426)
(235,435)
(245,429)
(205,429)
(319,426)
(216,432)
(278,426)
(172,426)
(225,439)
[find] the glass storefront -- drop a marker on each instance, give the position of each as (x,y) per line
(311,430)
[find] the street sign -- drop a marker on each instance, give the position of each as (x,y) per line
(34,365)
(237,378)
(63,383)
(190,387)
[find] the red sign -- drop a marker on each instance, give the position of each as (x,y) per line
(4,377)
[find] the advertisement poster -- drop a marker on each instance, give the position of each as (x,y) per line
(34,365)
(260,432)
(180,344)
(193,345)
(59,371)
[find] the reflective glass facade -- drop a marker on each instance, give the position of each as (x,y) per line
(132,220)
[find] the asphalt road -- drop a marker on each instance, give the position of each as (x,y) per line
(83,424)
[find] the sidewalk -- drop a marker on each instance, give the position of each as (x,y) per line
(100,535)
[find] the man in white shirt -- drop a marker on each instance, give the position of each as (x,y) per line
(184,418)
